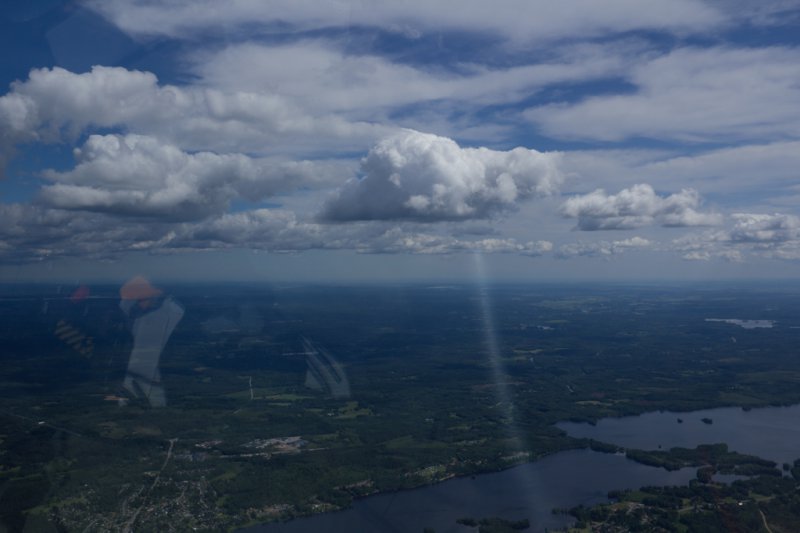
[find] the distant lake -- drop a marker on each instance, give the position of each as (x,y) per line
(746,324)
(770,432)
(531,491)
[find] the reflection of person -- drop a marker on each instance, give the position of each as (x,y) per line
(153,317)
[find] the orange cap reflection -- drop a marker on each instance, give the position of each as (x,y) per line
(138,288)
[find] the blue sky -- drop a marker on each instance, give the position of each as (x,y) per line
(364,140)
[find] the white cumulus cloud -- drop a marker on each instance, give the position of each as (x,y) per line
(764,228)
(636,207)
(424,177)
(142,176)
(774,236)
(54,104)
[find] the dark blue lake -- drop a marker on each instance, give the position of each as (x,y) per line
(770,433)
(527,491)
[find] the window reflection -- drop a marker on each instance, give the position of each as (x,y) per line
(152,317)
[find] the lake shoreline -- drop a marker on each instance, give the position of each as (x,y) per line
(564,456)
(583,443)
